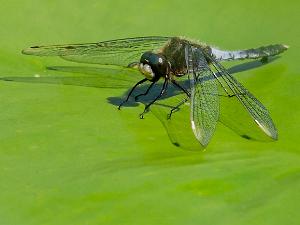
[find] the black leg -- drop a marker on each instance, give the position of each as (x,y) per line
(136,97)
(128,96)
(165,85)
(180,87)
(227,95)
(177,107)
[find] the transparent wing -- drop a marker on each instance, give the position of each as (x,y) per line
(115,52)
(204,96)
(256,109)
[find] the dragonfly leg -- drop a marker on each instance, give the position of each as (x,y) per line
(224,88)
(128,96)
(162,91)
(175,108)
(180,87)
(143,94)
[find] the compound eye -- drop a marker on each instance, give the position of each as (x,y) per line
(158,64)
(147,71)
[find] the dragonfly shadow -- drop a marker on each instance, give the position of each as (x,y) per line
(116,77)
(233,114)
(251,65)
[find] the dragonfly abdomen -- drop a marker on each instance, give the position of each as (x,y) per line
(253,53)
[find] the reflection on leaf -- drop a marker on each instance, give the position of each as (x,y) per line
(178,126)
(99,77)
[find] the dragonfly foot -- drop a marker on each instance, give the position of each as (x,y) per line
(175,109)
(144,112)
(119,107)
(169,116)
(264,60)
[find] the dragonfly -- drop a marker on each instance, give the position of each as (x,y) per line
(167,58)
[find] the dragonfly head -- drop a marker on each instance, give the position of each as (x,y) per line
(153,66)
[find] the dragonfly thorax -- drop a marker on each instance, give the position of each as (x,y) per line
(153,66)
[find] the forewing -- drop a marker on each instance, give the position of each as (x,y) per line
(255,108)
(120,52)
(204,96)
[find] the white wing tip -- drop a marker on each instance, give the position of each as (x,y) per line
(203,141)
(286,46)
(273,135)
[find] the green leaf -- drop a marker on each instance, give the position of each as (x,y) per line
(68,156)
